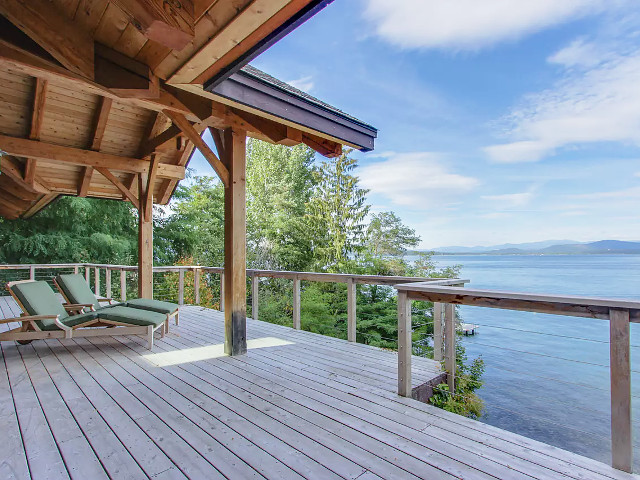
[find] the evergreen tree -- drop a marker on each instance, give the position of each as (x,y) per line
(338,212)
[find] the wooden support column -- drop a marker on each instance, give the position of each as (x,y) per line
(621,432)
(450,344)
(351,310)
(437,331)
(87,274)
(96,281)
(196,286)
(32,272)
(296,303)
(405,346)
(222,292)
(145,241)
(235,291)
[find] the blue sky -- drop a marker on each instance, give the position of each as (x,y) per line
(499,121)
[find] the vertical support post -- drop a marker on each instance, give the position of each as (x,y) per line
(87,275)
(32,272)
(96,284)
(222,292)
(255,292)
(107,281)
(235,243)
(351,310)
(296,303)
(450,345)
(123,285)
(196,285)
(621,435)
(437,331)
(76,269)
(145,239)
(405,346)
(180,287)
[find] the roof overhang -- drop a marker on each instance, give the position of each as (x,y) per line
(249,91)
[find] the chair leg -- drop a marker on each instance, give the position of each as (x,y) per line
(150,336)
(177,313)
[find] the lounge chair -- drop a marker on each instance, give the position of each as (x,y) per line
(74,289)
(45,317)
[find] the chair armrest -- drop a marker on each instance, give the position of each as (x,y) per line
(104,299)
(78,307)
(29,318)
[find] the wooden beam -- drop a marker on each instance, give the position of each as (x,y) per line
(23,147)
(6,183)
(85,181)
(11,201)
(12,168)
(235,312)
(124,76)
(8,213)
(238,29)
(168,23)
(324,147)
(183,124)
(620,367)
(37,115)
(128,194)
(40,204)
(64,40)
(170,185)
(151,180)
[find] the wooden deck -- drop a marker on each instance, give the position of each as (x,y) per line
(298,405)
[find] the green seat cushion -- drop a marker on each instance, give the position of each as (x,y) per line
(39,299)
(152,305)
(132,316)
(77,290)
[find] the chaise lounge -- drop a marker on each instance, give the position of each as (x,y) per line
(75,290)
(45,317)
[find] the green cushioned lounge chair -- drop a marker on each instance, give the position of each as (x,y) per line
(74,289)
(45,317)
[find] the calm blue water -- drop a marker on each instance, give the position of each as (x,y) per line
(547,376)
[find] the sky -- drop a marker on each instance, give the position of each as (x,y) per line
(499,121)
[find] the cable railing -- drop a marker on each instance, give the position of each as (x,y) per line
(618,313)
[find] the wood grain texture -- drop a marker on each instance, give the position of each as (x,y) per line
(620,364)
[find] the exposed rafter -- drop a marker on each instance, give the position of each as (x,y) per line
(65,41)
(37,116)
(12,168)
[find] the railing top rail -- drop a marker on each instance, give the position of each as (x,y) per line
(560,304)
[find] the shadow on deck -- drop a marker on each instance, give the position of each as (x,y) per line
(298,405)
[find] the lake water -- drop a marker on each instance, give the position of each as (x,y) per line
(547,376)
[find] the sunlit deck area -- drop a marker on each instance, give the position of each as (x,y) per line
(298,405)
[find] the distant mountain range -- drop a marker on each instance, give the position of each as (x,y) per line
(548,247)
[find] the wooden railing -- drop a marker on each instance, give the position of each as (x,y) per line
(619,314)
(94,269)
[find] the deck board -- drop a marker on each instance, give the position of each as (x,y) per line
(298,405)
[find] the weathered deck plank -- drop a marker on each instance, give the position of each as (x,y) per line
(307,407)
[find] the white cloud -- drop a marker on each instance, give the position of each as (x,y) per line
(597,100)
(472,24)
(510,200)
(303,83)
(418,179)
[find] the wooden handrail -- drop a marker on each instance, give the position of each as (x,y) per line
(618,312)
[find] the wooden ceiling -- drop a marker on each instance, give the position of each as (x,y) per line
(98,96)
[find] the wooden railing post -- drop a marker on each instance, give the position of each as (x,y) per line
(87,275)
(437,331)
(255,292)
(123,285)
(351,310)
(32,272)
(222,292)
(181,287)
(621,434)
(107,283)
(96,286)
(196,285)
(296,303)
(405,345)
(450,345)
(76,269)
